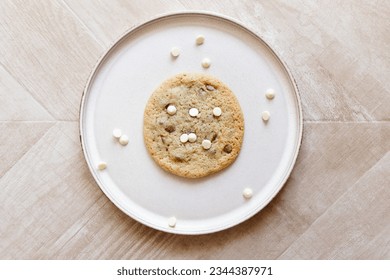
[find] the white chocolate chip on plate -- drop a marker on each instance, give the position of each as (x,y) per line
(172,221)
(117,133)
(199,39)
(247,193)
(102,165)
(217,111)
(124,140)
(192,137)
(184,138)
(265,116)
(171,110)
(206,62)
(206,144)
(270,93)
(175,51)
(193,112)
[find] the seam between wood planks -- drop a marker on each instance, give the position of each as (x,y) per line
(89,31)
(28,91)
(334,203)
(24,154)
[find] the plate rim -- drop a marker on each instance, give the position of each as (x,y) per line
(241,25)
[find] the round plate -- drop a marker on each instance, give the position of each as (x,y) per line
(116,95)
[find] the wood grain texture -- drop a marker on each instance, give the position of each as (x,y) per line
(45,49)
(17,104)
(335,204)
(107,20)
(16,139)
(360,214)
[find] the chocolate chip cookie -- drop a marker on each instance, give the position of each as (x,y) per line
(193,125)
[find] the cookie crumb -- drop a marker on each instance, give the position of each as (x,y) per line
(102,165)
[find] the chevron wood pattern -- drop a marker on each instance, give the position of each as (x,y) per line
(335,205)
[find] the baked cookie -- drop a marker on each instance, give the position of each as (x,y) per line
(193,125)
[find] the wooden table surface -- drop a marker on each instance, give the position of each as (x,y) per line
(336,204)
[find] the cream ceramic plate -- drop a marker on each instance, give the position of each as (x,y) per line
(116,95)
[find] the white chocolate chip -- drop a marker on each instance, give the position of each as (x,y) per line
(217,111)
(265,115)
(210,87)
(206,63)
(172,221)
(270,93)
(199,39)
(102,165)
(171,110)
(117,133)
(192,137)
(206,144)
(124,140)
(184,138)
(247,193)
(193,112)
(175,51)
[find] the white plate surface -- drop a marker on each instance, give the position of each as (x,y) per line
(116,95)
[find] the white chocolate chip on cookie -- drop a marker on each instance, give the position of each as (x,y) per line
(210,88)
(193,112)
(206,144)
(184,138)
(171,110)
(217,112)
(192,137)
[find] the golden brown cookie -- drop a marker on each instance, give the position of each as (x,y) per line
(186,114)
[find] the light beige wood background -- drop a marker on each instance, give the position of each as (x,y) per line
(336,205)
